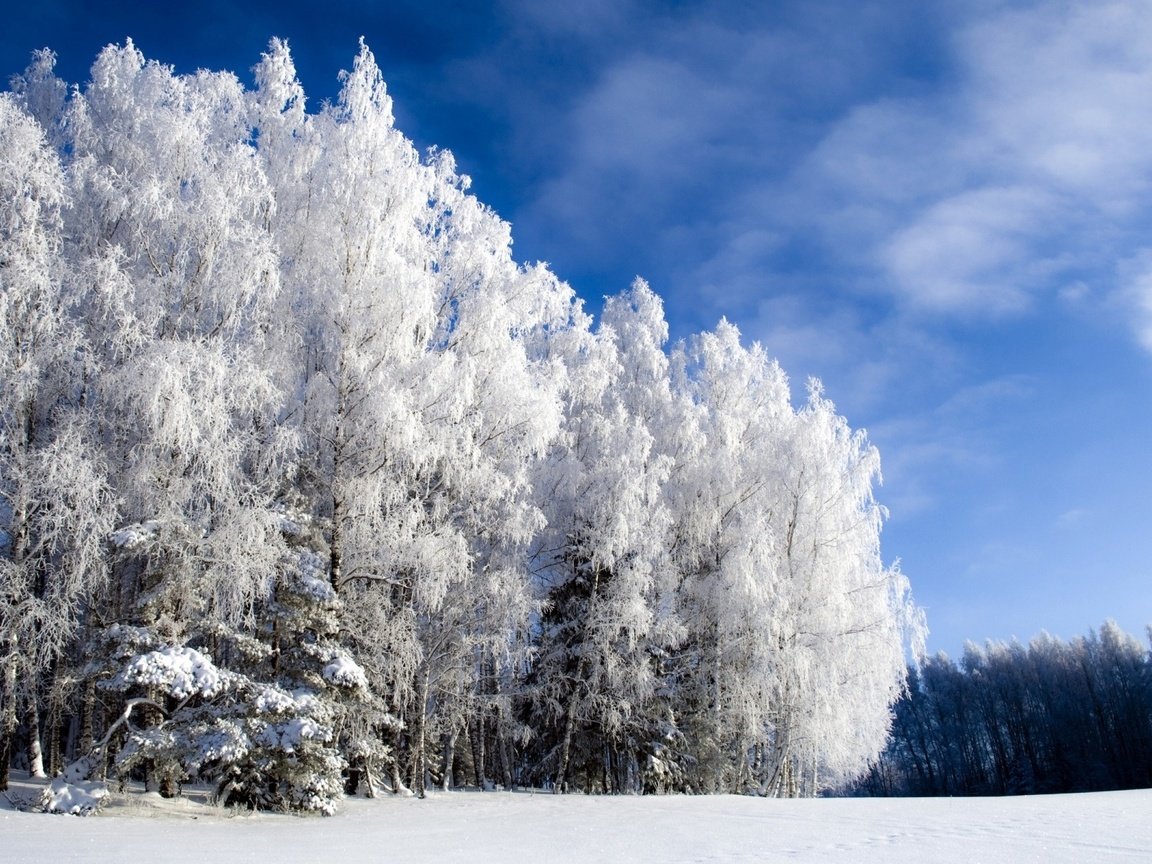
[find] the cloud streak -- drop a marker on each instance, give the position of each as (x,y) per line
(1025,171)
(733,150)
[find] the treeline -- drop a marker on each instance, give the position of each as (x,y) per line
(1007,719)
(306,486)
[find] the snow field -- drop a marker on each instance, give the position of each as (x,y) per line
(513,827)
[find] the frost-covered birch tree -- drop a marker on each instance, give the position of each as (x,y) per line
(796,629)
(53,496)
(170,229)
(841,618)
(727,504)
(424,391)
(170,217)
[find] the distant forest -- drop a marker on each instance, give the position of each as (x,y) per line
(1010,719)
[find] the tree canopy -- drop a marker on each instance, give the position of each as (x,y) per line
(307,485)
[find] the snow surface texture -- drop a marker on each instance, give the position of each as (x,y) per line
(500,827)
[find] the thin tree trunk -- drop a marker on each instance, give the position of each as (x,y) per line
(63,740)
(397,783)
(566,746)
(339,504)
(419,767)
(505,758)
(502,767)
(7,714)
(7,730)
(87,717)
(776,783)
(151,717)
(606,768)
(35,750)
(336,547)
(275,632)
(478,750)
(447,760)
(369,779)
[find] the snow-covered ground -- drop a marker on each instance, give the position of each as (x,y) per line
(515,827)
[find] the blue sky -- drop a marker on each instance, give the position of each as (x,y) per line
(941,209)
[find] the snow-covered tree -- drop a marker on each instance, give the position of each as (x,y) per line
(841,618)
(282,416)
(171,210)
(601,558)
(796,629)
(727,501)
(424,391)
(264,729)
(53,497)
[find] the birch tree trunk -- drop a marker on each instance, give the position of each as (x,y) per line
(447,760)
(35,750)
(419,763)
(7,713)
(566,745)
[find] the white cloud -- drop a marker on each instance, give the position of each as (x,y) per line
(893,152)
(734,156)
(1034,162)
(1063,91)
(678,149)
(1135,296)
(972,252)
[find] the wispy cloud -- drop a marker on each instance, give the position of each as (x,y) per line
(929,453)
(972,252)
(1025,171)
(1135,295)
(720,151)
(678,147)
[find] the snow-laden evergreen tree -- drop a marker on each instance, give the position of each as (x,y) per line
(264,729)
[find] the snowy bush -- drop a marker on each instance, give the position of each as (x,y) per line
(132,536)
(78,798)
(343,671)
(259,745)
